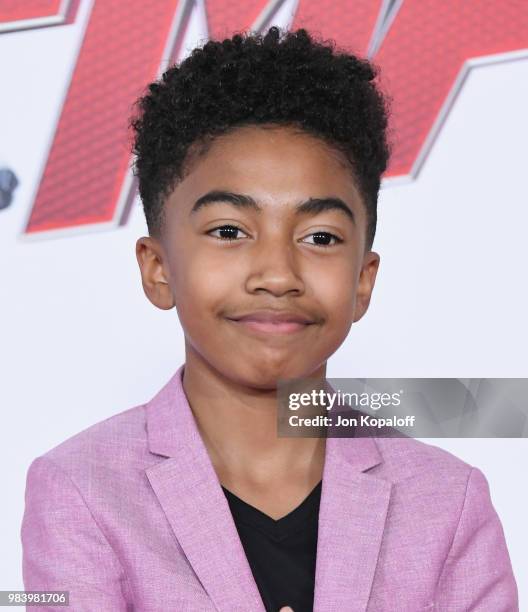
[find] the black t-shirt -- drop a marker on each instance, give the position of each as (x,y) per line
(281,553)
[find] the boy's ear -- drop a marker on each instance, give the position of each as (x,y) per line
(367,278)
(149,255)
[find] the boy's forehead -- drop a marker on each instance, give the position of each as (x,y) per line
(247,145)
(269,163)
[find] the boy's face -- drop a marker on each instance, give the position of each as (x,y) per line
(273,261)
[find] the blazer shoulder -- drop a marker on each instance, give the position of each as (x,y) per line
(407,457)
(428,480)
(116,440)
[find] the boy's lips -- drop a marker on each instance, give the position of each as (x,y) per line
(274,321)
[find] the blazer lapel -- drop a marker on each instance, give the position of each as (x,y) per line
(188,490)
(352,517)
(352,512)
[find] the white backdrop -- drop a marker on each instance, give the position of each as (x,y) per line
(80,342)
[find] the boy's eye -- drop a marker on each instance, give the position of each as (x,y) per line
(230,233)
(323,239)
(227,232)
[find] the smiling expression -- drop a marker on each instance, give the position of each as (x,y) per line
(263,254)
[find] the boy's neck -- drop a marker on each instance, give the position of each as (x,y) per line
(238,425)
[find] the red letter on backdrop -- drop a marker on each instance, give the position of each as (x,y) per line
(421,56)
(85,180)
(25,14)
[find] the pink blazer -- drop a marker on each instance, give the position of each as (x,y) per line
(129,515)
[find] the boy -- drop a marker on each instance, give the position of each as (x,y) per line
(259,162)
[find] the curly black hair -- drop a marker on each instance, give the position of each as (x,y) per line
(283,78)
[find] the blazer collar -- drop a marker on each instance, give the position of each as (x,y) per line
(352,513)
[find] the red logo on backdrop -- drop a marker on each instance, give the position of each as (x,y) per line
(425,50)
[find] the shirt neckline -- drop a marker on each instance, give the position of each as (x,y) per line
(278,529)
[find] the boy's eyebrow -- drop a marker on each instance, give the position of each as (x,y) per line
(311,206)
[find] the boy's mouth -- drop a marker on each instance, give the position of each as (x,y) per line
(274,321)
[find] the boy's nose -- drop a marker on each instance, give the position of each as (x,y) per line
(275,269)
